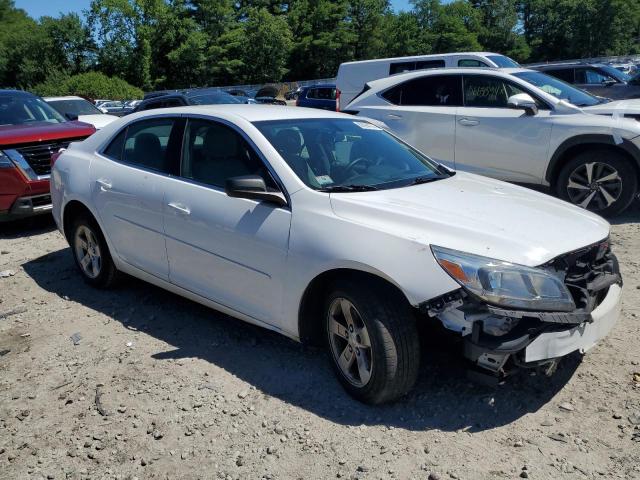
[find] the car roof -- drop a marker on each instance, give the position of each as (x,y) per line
(250,113)
(322,85)
(393,79)
(429,55)
(68,97)
(8,92)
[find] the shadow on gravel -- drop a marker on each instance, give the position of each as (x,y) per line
(27,227)
(442,398)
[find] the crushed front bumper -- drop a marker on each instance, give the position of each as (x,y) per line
(583,337)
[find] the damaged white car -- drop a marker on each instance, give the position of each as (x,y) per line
(328,229)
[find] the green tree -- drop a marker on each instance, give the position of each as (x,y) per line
(266,47)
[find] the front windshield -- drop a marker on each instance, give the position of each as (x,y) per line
(20,109)
(503,62)
(75,107)
(343,154)
(213,99)
(559,89)
(615,73)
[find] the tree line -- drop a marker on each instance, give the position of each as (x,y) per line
(158,44)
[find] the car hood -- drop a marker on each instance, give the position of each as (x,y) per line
(623,106)
(98,120)
(43,131)
(477,215)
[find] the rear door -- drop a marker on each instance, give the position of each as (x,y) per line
(497,141)
(128,182)
(422,111)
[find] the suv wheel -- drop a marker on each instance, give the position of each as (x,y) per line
(603,181)
(373,341)
(91,253)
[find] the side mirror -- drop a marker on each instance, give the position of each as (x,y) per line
(71,116)
(253,187)
(523,101)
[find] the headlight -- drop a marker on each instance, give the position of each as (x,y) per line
(5,162)
(505,284)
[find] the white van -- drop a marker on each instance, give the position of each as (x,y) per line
(352,76)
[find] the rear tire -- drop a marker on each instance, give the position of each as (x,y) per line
(603,181)
(91,253)
(376,352)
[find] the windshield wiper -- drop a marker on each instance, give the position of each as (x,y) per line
(421,180)
(348,188)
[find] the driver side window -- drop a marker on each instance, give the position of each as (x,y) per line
(590,76)
(213,153)
(490,92)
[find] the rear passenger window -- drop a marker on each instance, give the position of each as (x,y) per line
(436,90)
(114,150)
(467,62)
(147,144)
(402,67)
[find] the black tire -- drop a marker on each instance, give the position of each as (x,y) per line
(394,342)
(607,160)
(107,275)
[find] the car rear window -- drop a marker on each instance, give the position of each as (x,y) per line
(401,67)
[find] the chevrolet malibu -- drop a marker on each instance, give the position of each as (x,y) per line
(329,229)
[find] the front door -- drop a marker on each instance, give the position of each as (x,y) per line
(497,141)
(229,250)
(128,182)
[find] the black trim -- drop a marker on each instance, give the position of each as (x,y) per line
(597,138)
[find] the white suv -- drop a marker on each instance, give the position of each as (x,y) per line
(326,228)
(517,125)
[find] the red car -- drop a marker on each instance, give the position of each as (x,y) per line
(30,132)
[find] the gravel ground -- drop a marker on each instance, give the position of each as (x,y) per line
(160,387)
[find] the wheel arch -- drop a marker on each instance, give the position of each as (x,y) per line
(580,143)
(309,318)
(71,211)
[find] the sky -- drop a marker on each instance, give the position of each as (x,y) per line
(38,8)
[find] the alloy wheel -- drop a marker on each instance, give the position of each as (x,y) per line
(350,342)
(594,186)
(87,252)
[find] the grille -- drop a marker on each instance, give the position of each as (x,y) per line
(38,156)
(589,272)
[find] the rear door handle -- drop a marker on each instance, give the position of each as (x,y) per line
(393,116)
(104,184)
(180,208)
(468,122)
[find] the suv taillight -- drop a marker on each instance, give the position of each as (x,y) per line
(337,99)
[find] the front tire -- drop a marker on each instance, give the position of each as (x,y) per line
(602,180)
(91,253)
(372,340)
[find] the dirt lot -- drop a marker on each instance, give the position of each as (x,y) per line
(186,392)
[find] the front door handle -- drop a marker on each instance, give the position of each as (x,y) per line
(393,116)
(468,122)
(104,184)
(180,208)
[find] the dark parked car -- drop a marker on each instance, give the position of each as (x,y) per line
(185,97)
(318,96)
(269,95)
(596,78)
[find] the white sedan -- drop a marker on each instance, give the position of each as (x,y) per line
(328,229)
(78,108)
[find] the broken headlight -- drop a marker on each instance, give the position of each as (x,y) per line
(506,284)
